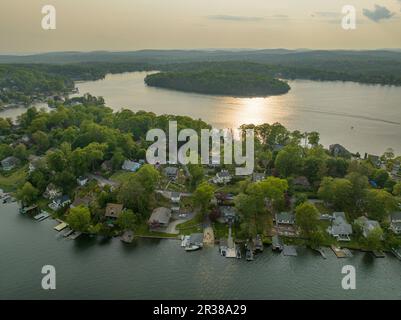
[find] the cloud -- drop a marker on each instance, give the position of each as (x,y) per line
(235,18)
(379,13)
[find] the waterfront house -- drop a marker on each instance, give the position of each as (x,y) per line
(284,218)
(175,197)
(52,192)
(222,177)
(228,213)
(367,225)
(59,202)
(171,172)
(82,181)
(9,163)
(131,166)
(113,210)
(340,228)
(395,222)
(258,176)
(160,218)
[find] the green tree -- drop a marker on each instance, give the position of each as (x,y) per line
(149,177)
(127,220)
(41,140)
(397,189)
(202,196)
(374,238)
(28,194)
(289,160)
(313,138)
(307,218)
(79,218)
(20,152)
(379,203)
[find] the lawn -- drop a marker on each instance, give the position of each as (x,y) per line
(122,176)
(11,181)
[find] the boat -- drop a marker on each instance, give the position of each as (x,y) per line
(185,240)
(249,251)
(258,243)
(67,232)
(192,247)
(396,252)
(277,244)
(238,253)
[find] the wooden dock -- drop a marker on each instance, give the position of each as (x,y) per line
(341,253)
(61,226)
(290,251)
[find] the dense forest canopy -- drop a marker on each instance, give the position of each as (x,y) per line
(232,83)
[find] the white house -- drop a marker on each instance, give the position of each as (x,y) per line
(340,228)
(222,177)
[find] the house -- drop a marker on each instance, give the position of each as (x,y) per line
(340,228)
(84,201)
(395,222)
(160,218)
(107,165)
(228,213)
(175,197)
(396,172)
(285,218)
(59,202)
(131,166)
(171,172)
(9,163)
(34,162)
(222,177)
(375,160)
(337,150)
(82,181)
(302,182)
(257,176)
(52,192)
(367,225)
(113,210)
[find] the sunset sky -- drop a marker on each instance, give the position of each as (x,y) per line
(86,25)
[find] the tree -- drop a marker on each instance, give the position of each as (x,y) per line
(336,192)
(196,172)
(307,218)
(314,168)
(397,189)
(289,160)
(313,138)
(202,196)
(273,189)
(374,238)
(381,176)
(79,218)
(28,194)
(4,126)
(149,177)
(20,152)
(127,220)
(360,185)
(41,140)
(379,203)
(133,195)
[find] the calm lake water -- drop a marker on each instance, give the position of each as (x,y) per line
(160,269)
(364,118)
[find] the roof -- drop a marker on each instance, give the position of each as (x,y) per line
(301,181)
(228,211)
(10,161)
(396,216)
(85,201)
(62,199)
(113,210)
(340,224)
(170,171)
(131,165)
(285,216)
(160,215)
(257,176)
(175,194)
(223,173)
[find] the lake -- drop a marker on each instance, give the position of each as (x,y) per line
(90,268)
(364,118)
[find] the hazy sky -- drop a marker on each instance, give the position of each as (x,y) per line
(165,24)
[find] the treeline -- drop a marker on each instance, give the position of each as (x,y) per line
(232,83)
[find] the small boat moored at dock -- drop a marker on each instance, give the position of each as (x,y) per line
(258,243)
(277,244)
